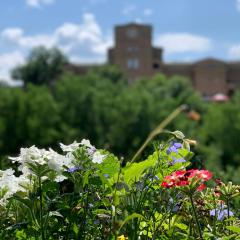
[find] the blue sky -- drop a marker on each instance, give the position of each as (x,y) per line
(188,30)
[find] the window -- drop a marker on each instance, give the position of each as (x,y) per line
(132,32)
(132,49)
(133,63)
(156,66)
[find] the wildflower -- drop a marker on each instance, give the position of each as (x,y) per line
(73,169)
(183,178)
(86,143)
(174,148)
(98,157)
(30,155)
(218,181)
(10,184)
(70,148)
(122,237)
(221,212)
(175,160)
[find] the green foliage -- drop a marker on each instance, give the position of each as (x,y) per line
(97,198)
(42,67)
(102,107)
(220,137)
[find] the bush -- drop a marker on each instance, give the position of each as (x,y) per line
(86,193)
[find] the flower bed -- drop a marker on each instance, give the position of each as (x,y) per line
(87,193)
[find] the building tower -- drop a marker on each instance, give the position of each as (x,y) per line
(133,51)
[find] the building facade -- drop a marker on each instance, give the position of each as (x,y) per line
(134,53)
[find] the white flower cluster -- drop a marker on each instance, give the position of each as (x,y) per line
(10,184)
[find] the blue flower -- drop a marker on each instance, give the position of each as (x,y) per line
(174,148)
(220,213)
(106,175)
(73,169)
(175,160)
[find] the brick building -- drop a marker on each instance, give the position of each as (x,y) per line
(134,54)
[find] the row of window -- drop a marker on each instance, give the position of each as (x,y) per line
(133,63)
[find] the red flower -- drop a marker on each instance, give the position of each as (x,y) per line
(201,187)
(183,178)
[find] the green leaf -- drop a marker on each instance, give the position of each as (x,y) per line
(130,217)
(234,229)
(134,171)
(181,226)
(55,213)
(75,228)
(110,165)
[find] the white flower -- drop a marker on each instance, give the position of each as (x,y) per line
(31,155)
(57,161)
(52,159)
(98,157)
(10,184)
(87,143)
(60,178)
(70,148)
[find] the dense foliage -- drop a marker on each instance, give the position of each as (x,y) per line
(56,106)
(85,193)
(101,106)
(43,66)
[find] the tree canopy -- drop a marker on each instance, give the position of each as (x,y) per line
(42,66)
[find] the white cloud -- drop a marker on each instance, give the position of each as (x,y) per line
(38,3)
(68,37)
(85,40)
(129,9)
(12,33)
(234,52)
(17,36)
(7,62)
(147,12)
(183,42)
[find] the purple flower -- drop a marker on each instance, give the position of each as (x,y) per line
(175,160)
(174,148)
(73,169)
(220,213)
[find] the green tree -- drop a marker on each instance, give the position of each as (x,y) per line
(221,130)
(27,118)
(42,67)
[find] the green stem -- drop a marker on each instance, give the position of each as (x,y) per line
(228,208)
(228,211)
(41,208)
(196,218)
(159,129)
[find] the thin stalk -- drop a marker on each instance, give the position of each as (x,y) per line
(228,207)
(228,211)
(159,129)
(41,208)
(196,218)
